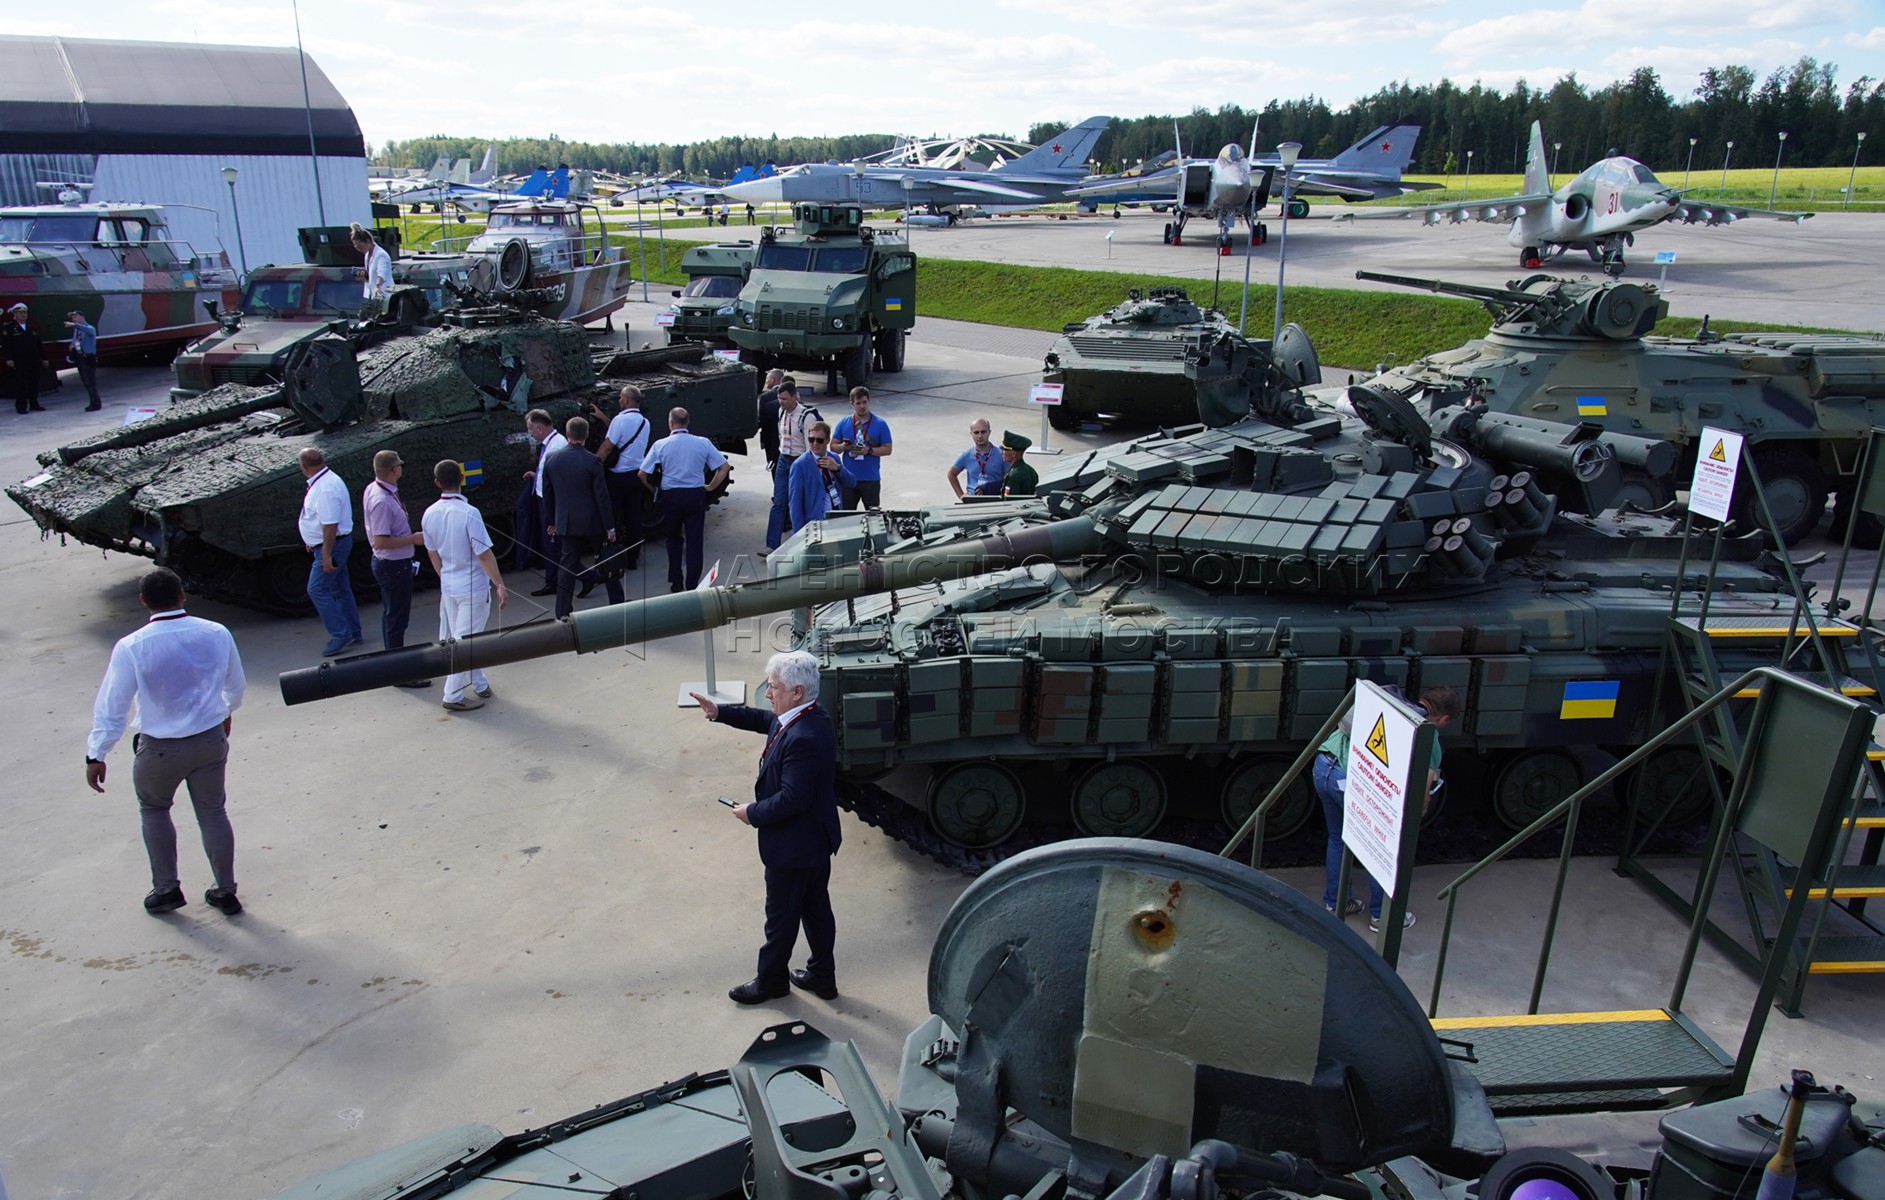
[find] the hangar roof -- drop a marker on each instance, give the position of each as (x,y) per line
(62,95)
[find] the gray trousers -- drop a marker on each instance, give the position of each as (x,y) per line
(197,762)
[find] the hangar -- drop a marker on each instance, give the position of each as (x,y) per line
(157,123)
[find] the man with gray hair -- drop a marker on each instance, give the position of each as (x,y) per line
(795,811)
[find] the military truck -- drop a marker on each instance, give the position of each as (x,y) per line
(829,292)
(1581,350)
(703,310)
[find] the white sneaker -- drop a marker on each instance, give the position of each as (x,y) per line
(1374,923)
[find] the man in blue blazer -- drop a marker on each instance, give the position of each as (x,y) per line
(817,478)
(795,810)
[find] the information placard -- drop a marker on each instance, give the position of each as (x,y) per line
(1375,799)
(664,320)
(1046,393)
(1717,462)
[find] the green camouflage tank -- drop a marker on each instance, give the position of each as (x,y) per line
(1160,359)
(211,486)
(1580,350)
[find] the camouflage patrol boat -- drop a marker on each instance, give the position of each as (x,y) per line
(117,264)
(559,249)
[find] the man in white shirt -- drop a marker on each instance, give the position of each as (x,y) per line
(377,274)
(186,678)
(627,439)
(532,521)
(460,550)
(327,532)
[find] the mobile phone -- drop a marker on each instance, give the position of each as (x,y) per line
(729,802)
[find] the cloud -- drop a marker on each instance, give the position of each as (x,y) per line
(1600,24)
(1871,39)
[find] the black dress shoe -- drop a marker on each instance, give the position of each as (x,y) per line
(415,683)
(755,992)
(544,591)
(587,587)
(93,407)
(824,989)
(163,902)
(226,901)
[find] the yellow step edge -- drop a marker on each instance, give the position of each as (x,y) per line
(1781,631)
(1870,822)
(1846,968)
(1868,892)
(1850,689)
(1523,1019)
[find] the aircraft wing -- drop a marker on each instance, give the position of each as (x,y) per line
(920,183)
(1130,184)
(1317,185)
(1504,209)
(1696,212)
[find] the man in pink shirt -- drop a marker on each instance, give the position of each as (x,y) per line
(389,532)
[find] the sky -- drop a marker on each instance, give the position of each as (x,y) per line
(631,71)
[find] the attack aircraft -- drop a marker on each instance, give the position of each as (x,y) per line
(1598,212)
(1044,175)
(1237,185)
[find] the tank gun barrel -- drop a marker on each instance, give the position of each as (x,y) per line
(1474,291)
(689,612)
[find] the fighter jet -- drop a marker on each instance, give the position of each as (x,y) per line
(1237,185)
(1598,212)
(543,182)
(1042,176)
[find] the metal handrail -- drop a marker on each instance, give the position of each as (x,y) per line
(1571,804)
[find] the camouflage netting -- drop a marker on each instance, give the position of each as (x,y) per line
(212,407)
(457,370)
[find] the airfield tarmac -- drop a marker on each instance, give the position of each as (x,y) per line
(1828,271)
(513,914)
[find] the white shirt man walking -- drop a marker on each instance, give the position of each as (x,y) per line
(186,678)
(460,549)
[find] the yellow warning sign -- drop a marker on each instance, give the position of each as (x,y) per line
(1718,453)
(1377,743)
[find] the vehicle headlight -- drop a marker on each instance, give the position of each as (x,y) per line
(837,322)
(746,318)
(727,311)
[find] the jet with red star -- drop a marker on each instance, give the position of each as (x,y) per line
(1041,176)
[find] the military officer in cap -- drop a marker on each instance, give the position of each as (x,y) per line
(1020,479)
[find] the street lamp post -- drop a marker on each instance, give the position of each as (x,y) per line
(1468,185)
(1555,147)
(1850,175)
(641,240)
(1287,152)
(1773,188)
(1724,168)
(242,253)
(1688,164)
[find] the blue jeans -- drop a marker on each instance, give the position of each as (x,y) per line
(1331,782)
(781,514)
(394,575)
(332,593)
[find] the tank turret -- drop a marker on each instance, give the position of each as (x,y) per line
(1142,648)
(1541,306)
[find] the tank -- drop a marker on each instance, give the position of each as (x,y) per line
(703,310)
(1581,350)
(829,293)
(1160,359)
(1170,1026)
(210,486)
(1141,649)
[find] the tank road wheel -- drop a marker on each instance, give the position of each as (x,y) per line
(890,350)
(1641,491)
(857,364)
(975,805)
(1118,799)
(283,579)
(1869,532)
(1669,788)
(1796,492)
(1247,785)
(1531,782)
(1062,417)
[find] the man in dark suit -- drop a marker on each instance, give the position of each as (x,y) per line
(578,512)
(795,810)
(769,418)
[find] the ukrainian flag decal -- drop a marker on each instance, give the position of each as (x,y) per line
(1592,406)
(474,474)
(892,305)
(1588,701)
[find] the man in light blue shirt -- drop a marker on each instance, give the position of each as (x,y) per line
(677,467)
(84,355)
(862,439)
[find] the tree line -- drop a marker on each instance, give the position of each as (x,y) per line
(1636,116)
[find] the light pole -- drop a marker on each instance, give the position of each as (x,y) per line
(1774,187)
(1855,169)
(242,253)
(1724,168)
(1287,152)
(1687,165)
(641,242)
(1555,147)
(1468,185)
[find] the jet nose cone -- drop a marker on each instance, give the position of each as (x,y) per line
(755,191)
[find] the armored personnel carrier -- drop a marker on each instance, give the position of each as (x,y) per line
(1160,359)
(830,293)
(1580,350)
(210,486)
(703,310)
(1143,647)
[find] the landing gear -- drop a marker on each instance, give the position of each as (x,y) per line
(1175,231)
(1118,799)
(1530,783)
(1530,259)
(975,805)
(1299,209)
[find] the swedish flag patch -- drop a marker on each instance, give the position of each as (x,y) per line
(1592,406)
(1589,700)
(474,473)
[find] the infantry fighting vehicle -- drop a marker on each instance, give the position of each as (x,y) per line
(1579,350)
(1127,1021)
(830,293)
(703,310)
(283,306)
(1143,647)
(210,486)
(117,264)
(1161,359)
